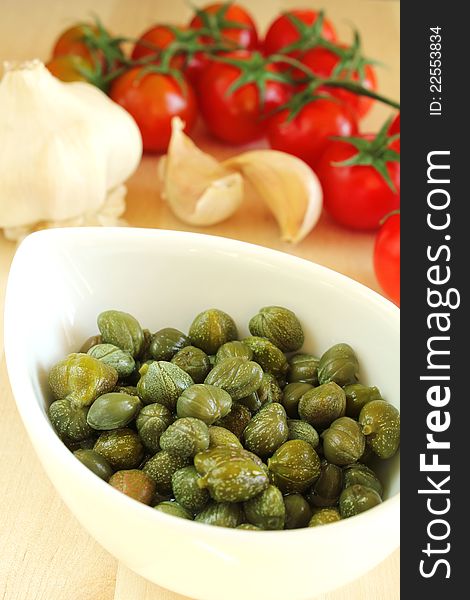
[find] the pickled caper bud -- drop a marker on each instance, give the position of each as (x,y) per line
(211,329)
(122,330)
(152,421)
(267,430)
(170,507)
(122,448)
(298,511)
(161,468)
(303,368)
(325,516)
(327,488)
(294,466)
(338,364)
(267,355)
(205,402)
(93,340)
(194,362)
(380,423)
(69,420)
(267,510)
(357,396)
(186,437)
(187,491)
(114,357)
(320,406)
(81,379)
(113,411)
(233,349)
(135,484)
(344,442)
(167,342)
(356,499)
(291,396)
(300,430)
(252,402)
(236,420)
(237,376)
(280,325)
(219,436)
(269,390)
(362,475)
(95,462)
(163,382)
(222,514)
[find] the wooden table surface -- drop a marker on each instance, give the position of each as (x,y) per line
(44,552)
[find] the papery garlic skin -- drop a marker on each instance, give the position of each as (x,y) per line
(64,147)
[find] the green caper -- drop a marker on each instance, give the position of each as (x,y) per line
(222,514)
(205,402)
(230,474)
(122,448)
(267,510)
(186,437)
(170,507)
(211,329)
(327,488)
(81,378)
(300,430)
(303,368)
(280,325)
(269,390)
(357,396)
(237,376)
(291,396)
(236,420)
(219,436)
(95,462)
(380,423)
(325,516)
(130,390)
(356,499)
(152,421)
(249,527)
(163,382)
(362,475)
(115,357)
(194,362)
(89,343)
(187,491)
(121,329)
(267,430)
(338,364)
(144,353)
(135,484)
(161,468)
(298,511)
(233,349)
(294,466)
(167,342)
(69,420)
(267,355)
(252,402)
(320,406)
(343,442)
(113,411)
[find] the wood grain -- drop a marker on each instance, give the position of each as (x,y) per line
(45,554)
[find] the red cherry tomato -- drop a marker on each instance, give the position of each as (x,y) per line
(394,129)
(219,14)
(71,41)
(69,67)
(322,62)
(237,117)
(356,196)
(282,32)
(309,132)
(387,257)
(153,99)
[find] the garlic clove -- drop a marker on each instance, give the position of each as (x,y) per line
(289,187)
(198,189)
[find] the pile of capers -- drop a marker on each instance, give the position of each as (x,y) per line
(249,434)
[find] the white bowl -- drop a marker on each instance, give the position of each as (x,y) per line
(61,280)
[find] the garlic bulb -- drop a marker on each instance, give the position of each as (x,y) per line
(202,191)
(66,151)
